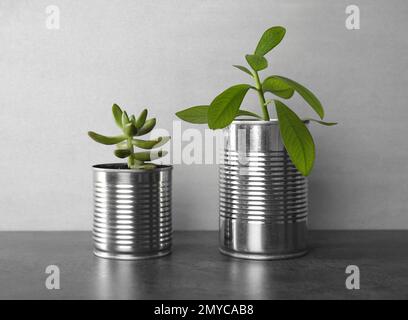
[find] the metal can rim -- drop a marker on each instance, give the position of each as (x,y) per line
(122,167)
(259,122)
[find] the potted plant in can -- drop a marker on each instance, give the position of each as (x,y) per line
(263,202)
(132,201)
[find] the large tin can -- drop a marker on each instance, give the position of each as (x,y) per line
(263,202)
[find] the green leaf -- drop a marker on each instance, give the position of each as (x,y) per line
(105,139)
(248,113)
(130,129)
(256,62)
(197,114)
(146,166)
(269,40)
(225,106)
(278,87)
(149,155)
(122,153)
(125,119)
(147,127)
(296,138)
(141,119)
(321,122)
(244,69)
(117,115)
(306,94)
(150,144)
(132,119)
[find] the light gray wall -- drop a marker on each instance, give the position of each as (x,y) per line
(55,85)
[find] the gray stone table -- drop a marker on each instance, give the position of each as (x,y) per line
(196,270)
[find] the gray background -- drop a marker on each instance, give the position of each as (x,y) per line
(55,85)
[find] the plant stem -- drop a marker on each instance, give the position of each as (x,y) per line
(131,160)
(261,97)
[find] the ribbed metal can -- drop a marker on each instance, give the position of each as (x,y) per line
(132,212)
(263,202)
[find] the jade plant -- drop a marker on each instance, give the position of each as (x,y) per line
(226,107)
(126,142)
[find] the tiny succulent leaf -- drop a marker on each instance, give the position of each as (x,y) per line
(122,153)
(141,119)
(321,122)
(105,139)
(147,127)
(225,106)
(278,87)
(130,129)
(244,69)
(125,119)
(296,138)
(133,119)
(117,115)
(197,114)
(306,94)
(256,62)
(146,166)
(150,144)
(269,40)
(122,145)
(248,113)
(149,155)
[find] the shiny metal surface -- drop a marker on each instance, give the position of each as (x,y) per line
(263,201)
(132,212)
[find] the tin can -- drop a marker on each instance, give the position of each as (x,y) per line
(263,202)
(132,212)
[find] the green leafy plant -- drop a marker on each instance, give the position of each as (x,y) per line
(227,105)
(126,142)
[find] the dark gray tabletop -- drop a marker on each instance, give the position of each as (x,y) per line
(196,270)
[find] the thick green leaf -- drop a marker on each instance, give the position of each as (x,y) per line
(130,129)
(306,94)
(197,114)
(147,127)
(296,138)
(321,122)
(141,119)
(132,119)
(117,115)
(256,62)
(244,69)
(122,145)
(248,113)
(278,87)
(225,106)
(146,166)
(150,144)
(105,139)
(125,119)
(122,153)
(269,40)
(149,155)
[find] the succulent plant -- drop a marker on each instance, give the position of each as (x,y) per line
(226,107)
(126,142)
